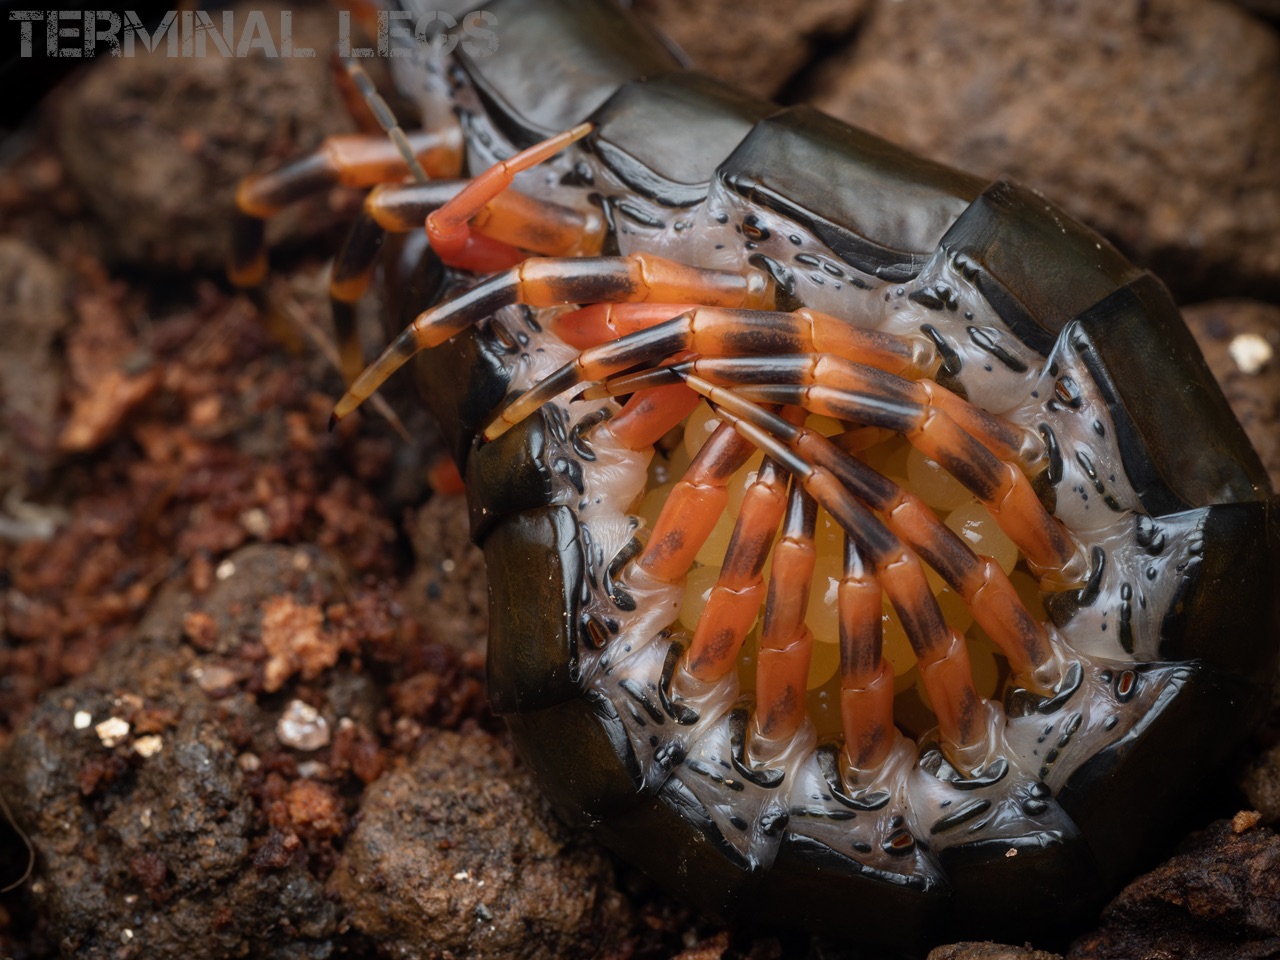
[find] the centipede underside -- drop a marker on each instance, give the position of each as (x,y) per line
(1160,668)
(870,549)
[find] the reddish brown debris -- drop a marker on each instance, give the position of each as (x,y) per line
(296,642)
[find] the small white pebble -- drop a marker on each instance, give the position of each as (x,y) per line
(1250,352)
(111,731)
(448,566)
(313,770)
(145,818)
(82,720)
(126,935)
(248,762)
(148,746)
(1011,853)
(301,727)
(226,569)
(462,875)
(256,522)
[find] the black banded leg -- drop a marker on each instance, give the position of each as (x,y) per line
(352,160)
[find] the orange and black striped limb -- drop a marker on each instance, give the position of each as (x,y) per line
(943,659)
(351,160)
(725,330)
(550,282)
(694,506)
(866,677)
(786,643)
(483,221)
(978,580)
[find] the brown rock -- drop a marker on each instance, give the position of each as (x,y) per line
(1241,342)
(457,854)
(758,46)
(33,312)
(447,590)
(989,951)
(1152,120)
(1261,784)
(172,136)
(1217,900)
(147,843)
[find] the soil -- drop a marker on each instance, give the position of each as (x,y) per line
(242,707)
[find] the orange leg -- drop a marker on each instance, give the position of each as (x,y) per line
(528,223)
(940,652)
(786,644)
(549,282)
(602,322)
(735,599)
(978,580)
(695,504)
(866,677)
(650,415)
(359,160)
(506,223)
(845,390)
(723,332)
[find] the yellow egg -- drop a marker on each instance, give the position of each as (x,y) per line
(986,672)
(823,704)
(1029,591)
(698,429)
(745,476)
(717,542)
(954,610)
(934,485)
(651,504)
(889,458)
(827,426)
(824,662)
(897,648)
(974,525)
(823,614)
(905,681)
(697,587)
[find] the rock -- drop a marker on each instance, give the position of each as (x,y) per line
(457,854)
(33,313)
(1151,120)
(989,951)
(148,802)
(757,46)
(1241,341)
(1218,899)
(1261,784)
(447,590)
(172,136)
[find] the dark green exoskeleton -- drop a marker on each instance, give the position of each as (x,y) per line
(1167,644)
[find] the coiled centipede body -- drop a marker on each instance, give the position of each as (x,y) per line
(870,549)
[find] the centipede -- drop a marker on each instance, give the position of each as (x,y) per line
(870,549)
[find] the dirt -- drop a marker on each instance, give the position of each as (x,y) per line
(241,657)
